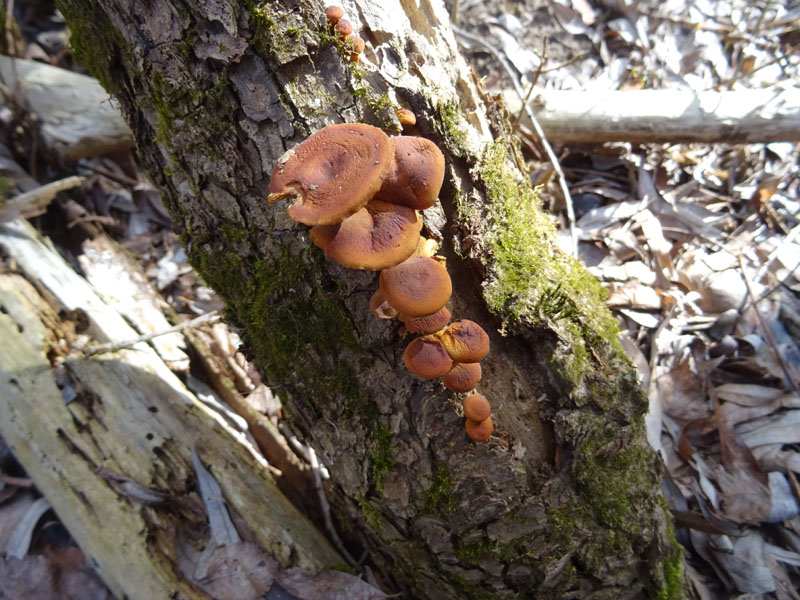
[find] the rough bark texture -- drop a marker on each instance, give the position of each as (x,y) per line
(564,500)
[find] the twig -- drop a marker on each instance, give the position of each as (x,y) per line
(319,471)
(562,180)
(789,373)
(11,43)
(35,202)
(212,316)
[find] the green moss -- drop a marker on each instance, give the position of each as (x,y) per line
(95,42)
(672,568)
(280,35)
(382,459)
(438,498)
(452,126)
(371,514)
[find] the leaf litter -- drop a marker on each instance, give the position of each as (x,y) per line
(697,244)
(698,247)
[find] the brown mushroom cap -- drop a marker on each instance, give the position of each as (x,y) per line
(358,48)
(416,175)
(334,13)
(477,408)
(426,358)
(465,341)
(417,287)
(428,323)
(378,236)
(479,431)
(463,377)
(344,28)
(406,117)
(333,173)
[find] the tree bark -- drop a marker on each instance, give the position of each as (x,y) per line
(564,499)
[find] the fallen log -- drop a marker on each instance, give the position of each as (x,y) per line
(665,116)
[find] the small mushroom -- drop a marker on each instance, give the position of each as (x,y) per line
(416,287)
(465,341)
(463,377)
(479,431)
(380,307)
(343,28)
(407,118)
(416,175)
(476,407)
(358,48)
(333,173)
(378,236)
(427,324)
(334,13)
(427,358)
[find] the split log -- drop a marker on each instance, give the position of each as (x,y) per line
(69,419)
(665,116)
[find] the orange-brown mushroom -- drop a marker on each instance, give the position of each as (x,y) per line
(333,173)
(465,341)
(416,287)
(334,13)
(406,117)
(426,358)
(428,323)
(416,175)
(476,407)
(378,236)
(358,47)
(479,431)
(463,377)
(343,28)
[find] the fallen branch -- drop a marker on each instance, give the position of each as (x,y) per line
(666,116)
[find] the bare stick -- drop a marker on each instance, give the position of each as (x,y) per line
(114,346)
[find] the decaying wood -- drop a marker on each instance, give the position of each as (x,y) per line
(77,116)
(127,414)
(563,500)
(666,116)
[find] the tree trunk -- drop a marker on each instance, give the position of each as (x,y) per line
(564,499)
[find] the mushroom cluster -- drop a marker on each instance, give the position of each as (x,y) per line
(344,29)
(360,192)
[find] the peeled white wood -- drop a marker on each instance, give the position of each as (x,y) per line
(665,116)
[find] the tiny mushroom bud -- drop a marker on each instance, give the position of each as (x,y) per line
(333,173)
(417,287)
(426,358)
(378,236)
(416,175)
(463,377)
(334,13)
(406,117)
(479,431)
(380,307)
(427,324)
(344,28)
(476,407)
(465,341)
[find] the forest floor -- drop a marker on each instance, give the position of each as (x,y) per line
(697,244)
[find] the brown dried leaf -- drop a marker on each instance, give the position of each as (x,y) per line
(330,585)
(681,393)
(744,485)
